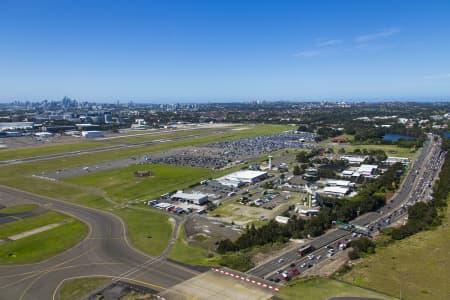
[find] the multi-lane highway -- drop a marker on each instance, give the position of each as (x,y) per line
(106,251)
(422,172)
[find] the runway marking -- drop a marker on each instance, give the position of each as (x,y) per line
(30,285)
(107,276)
(44,272)
(58,269)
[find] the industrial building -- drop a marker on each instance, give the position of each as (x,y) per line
(43,134)
(195,198)
(355,160)
(13,126)
(392,160)
(92,134)
(239,178)
(336,191)
(281,219)
(367,170)
(311,174)
(341,183)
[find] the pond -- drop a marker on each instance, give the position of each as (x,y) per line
(396,137)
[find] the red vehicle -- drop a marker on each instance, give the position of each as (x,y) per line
(295,272)
(305,250)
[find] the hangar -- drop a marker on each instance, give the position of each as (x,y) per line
(195,198)
(238,178)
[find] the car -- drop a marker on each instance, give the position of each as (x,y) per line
(280,271)
(277,280)
(295,272)
(318,257)
(330,254)
(292,265)
(281,260)
(310,257)
(303,265)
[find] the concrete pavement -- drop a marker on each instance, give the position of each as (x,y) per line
(105,251)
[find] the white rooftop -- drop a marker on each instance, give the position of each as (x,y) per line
(355,158)
(189,196)
(335,190)
(339,182)
(244,176)
(367,168)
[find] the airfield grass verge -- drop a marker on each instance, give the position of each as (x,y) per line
(79,287)
(418,267)
(122,185)
(42,245)
(83,144)
(148,229)
(185,253)
(48,149)
(20,208)
(140,224)
(323,289)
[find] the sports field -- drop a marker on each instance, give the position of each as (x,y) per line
(417,267)
(42,245)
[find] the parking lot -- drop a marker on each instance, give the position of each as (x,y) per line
(223,154)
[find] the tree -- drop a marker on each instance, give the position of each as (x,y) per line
(353,254)
(302,157)
(297,171)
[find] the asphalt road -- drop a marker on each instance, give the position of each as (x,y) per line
(426,164)
(105,251)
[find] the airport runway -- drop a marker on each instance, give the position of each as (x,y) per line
(113,147)
(105,251)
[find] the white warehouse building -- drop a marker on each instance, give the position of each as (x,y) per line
(195,198)
(92,134)
(239,178)
(246,176)
(336,191)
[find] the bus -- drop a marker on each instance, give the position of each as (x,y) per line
(305,250)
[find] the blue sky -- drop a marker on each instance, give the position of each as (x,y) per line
(168,51)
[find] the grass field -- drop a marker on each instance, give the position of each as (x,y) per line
(417,267)
(148,229)
(19,170)
(125,185)
(42,245)
(79,287)
(83,144)
(21,208)
(323,289)
(391,150)
(122,185)
(185,253)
